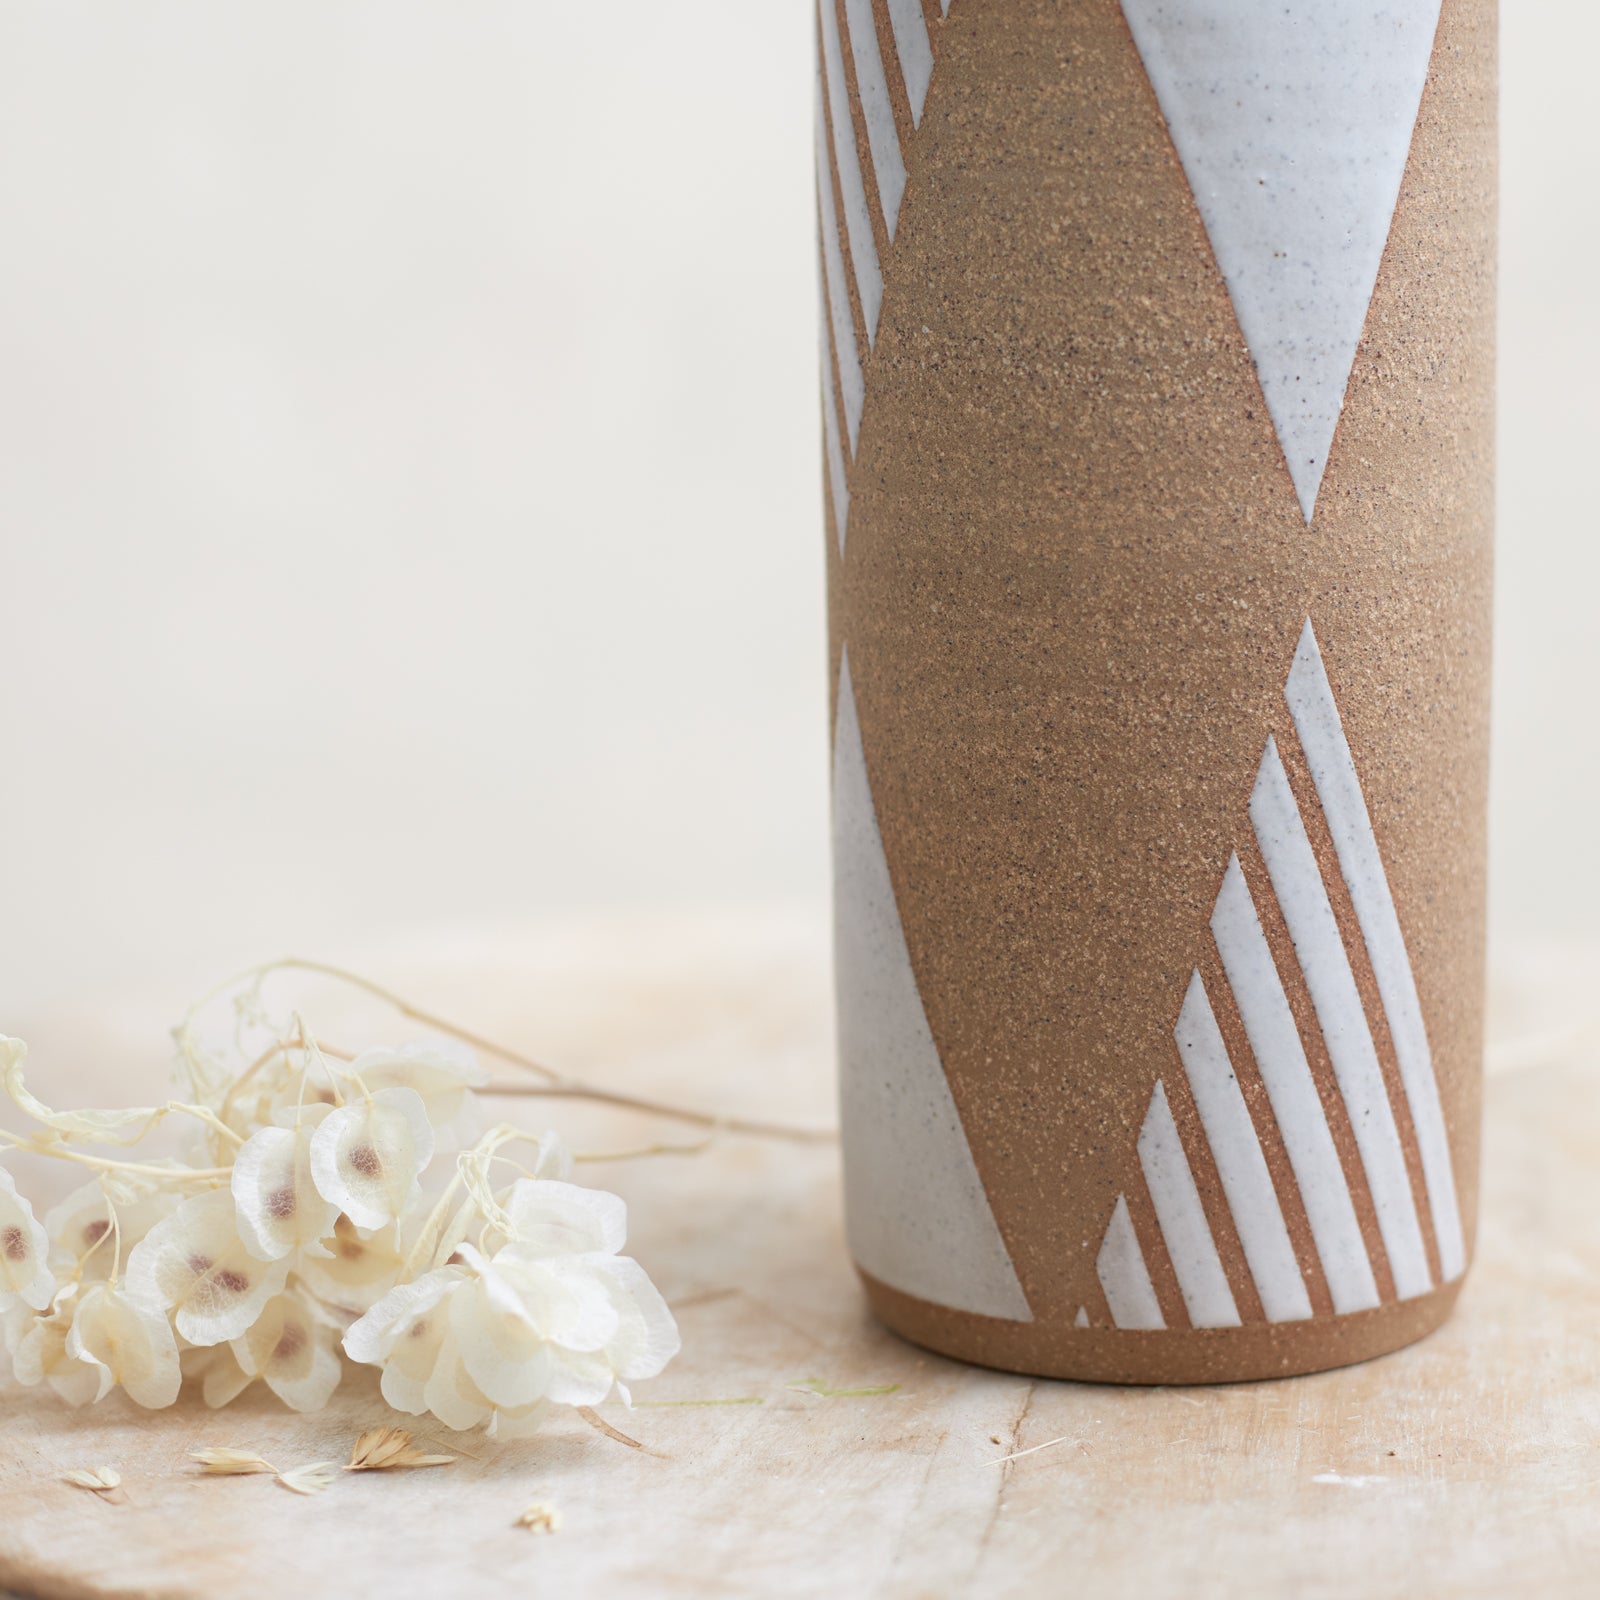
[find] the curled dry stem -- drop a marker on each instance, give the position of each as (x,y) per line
(555,1083)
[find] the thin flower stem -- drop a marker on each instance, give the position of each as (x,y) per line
(555,1082)
(209,1117)
(647,1150)
(116,1239)
(660,1108)
(100,1239)
(431,1229)
(284,1047)
(404,1007)
(61,1153)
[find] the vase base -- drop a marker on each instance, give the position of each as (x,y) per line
(1059,1349)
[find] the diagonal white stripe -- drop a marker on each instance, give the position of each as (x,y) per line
(1281,1059)
(857,219)
(1333,771)
(882,140)
(838,486)
(916,53)
(1124,1276)
(1241,1164)
(1201,1278)
(851,384)
(1303,898)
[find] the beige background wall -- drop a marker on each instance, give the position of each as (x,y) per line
(408,501)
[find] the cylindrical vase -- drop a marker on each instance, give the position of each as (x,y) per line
(1157,421)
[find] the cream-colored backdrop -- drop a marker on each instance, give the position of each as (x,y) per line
(409,488)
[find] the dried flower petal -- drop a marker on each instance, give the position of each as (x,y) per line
(225,1462)
(127,1126)
(380,1449)
(25,1273)
(279,1209)
(354,1272)
(127,1343)
(81,1233)
(222,1379)
(557,1219)
(540,1518)
(527,1330)
(367,1156)
(15,1320)
(42,1357)
(310,1479)
(403,1333)
(451,1394)
(647,1335)
(293,1350)
(196,1264)
(441,1071)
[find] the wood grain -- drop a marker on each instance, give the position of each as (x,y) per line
(1467,1465)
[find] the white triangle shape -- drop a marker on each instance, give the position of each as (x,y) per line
(917,1215)
(1293,121)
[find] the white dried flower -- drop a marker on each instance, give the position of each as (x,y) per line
(25,1273)
(126,1342)
(196,1265)
(441,1071)
(556,1219)
(42,1357)
(554,1316)
(368,1156)
(293,1350)
(279,1208)
(353,1273)
(81,1233)
(403,1334)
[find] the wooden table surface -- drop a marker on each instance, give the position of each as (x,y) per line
(802,1450)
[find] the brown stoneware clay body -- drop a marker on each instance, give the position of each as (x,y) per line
(1157,355)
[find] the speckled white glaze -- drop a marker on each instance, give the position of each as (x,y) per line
(1293,120)
(918,1218)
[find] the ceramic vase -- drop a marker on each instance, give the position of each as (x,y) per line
(1157,344)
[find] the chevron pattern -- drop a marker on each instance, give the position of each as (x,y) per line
(1177,1225)
(874,63)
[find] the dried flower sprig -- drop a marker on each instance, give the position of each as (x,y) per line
(383,1449)
(223,1462)
(302,1227)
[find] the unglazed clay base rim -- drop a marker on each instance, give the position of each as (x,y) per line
(1166,1357)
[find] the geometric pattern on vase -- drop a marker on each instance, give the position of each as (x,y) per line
(859,82)
(1293,122)
(1294,882)
(917,1215)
